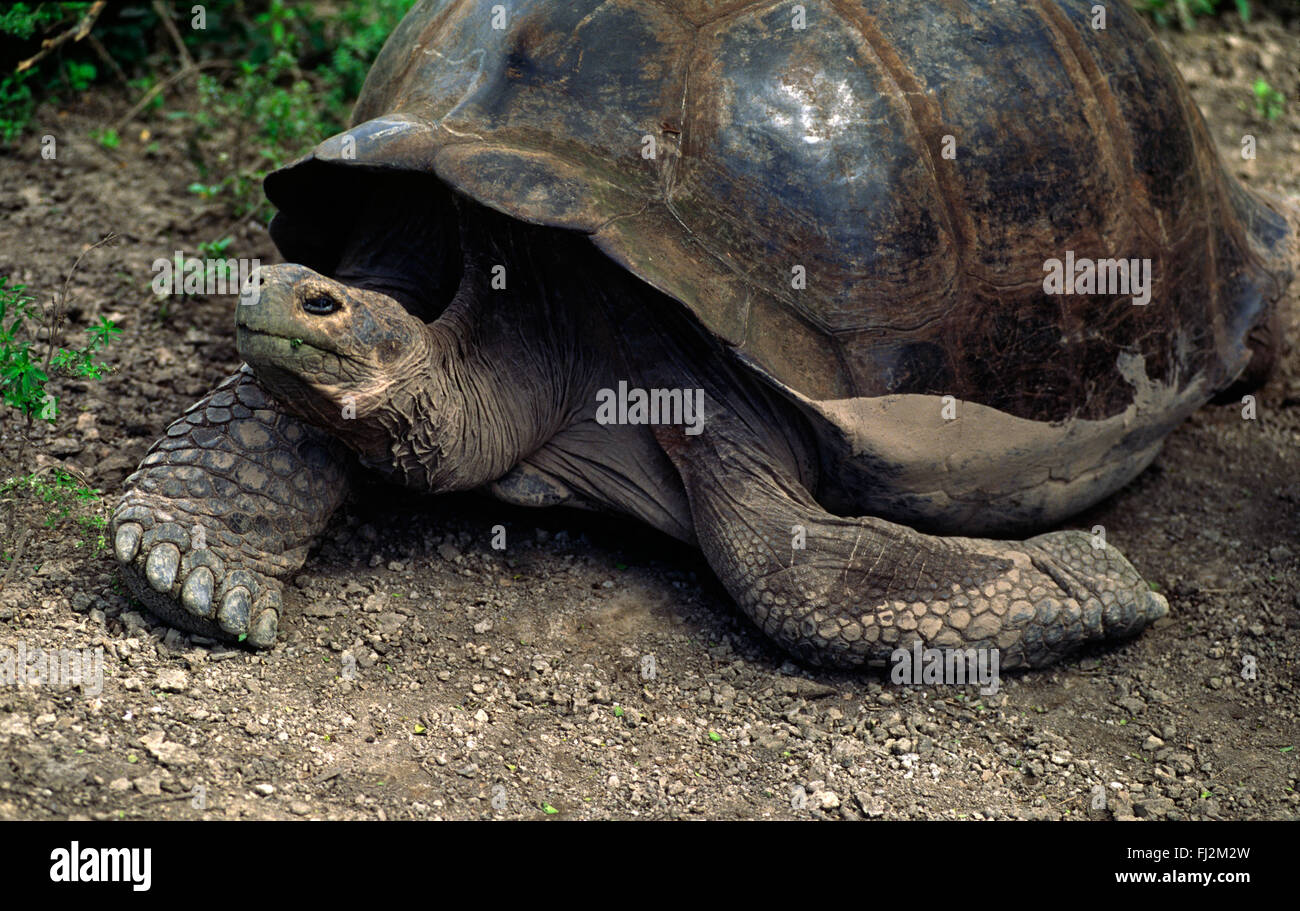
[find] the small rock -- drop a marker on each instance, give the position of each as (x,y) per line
(872,807)
(827,800)
(149,785)
(65,446)
(167,752)
(390,622)
(1153,808)
(172,680)
(266,790)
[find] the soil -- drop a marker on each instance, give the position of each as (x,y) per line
(594,669)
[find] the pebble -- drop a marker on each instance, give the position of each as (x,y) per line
(172,680)
(165,751)
(827,800)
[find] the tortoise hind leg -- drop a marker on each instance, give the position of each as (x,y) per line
(860,587)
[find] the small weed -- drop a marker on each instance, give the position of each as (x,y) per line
(106,137)
(1165,12)
(214,251)
(24,373)
(63,497)
(1269,102)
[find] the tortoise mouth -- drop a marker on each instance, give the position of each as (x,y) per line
(258,342)
(265,350)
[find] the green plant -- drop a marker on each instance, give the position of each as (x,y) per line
(215,249)
(20,26)
(1269,102)
(298,73)
(16,106)
(79,75)
(23,372)
(61,494)
(23,376)
(1185,11)
(108,138)
(22,380)
(25,20)
(63,497)
(280,75)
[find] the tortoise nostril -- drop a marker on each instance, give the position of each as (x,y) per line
(319,304)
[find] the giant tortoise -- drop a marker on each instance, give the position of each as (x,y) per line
(824,289)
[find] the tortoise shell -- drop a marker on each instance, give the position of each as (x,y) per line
(915,162)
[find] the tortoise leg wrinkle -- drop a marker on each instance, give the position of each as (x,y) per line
(843,592)
(223,508)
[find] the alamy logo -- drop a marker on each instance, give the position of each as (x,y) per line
(652,406)
(1111,277)
(950,666)
(76,864)
(53,667)
(198,275)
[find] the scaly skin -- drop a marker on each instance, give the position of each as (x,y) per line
(862,587)
(223,508)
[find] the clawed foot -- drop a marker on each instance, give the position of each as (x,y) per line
(1113,598)
(186,574)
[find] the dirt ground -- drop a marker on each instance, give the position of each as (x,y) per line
(422,674)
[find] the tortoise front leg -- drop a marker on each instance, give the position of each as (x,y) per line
(859,588)
(222,508)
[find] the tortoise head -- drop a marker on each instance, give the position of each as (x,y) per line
(337,356)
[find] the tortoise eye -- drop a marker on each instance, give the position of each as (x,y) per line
(320,304)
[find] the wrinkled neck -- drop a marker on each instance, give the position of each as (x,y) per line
(514,358)
(476,405)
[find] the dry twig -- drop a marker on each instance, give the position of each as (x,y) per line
(170,80)
(73,34)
